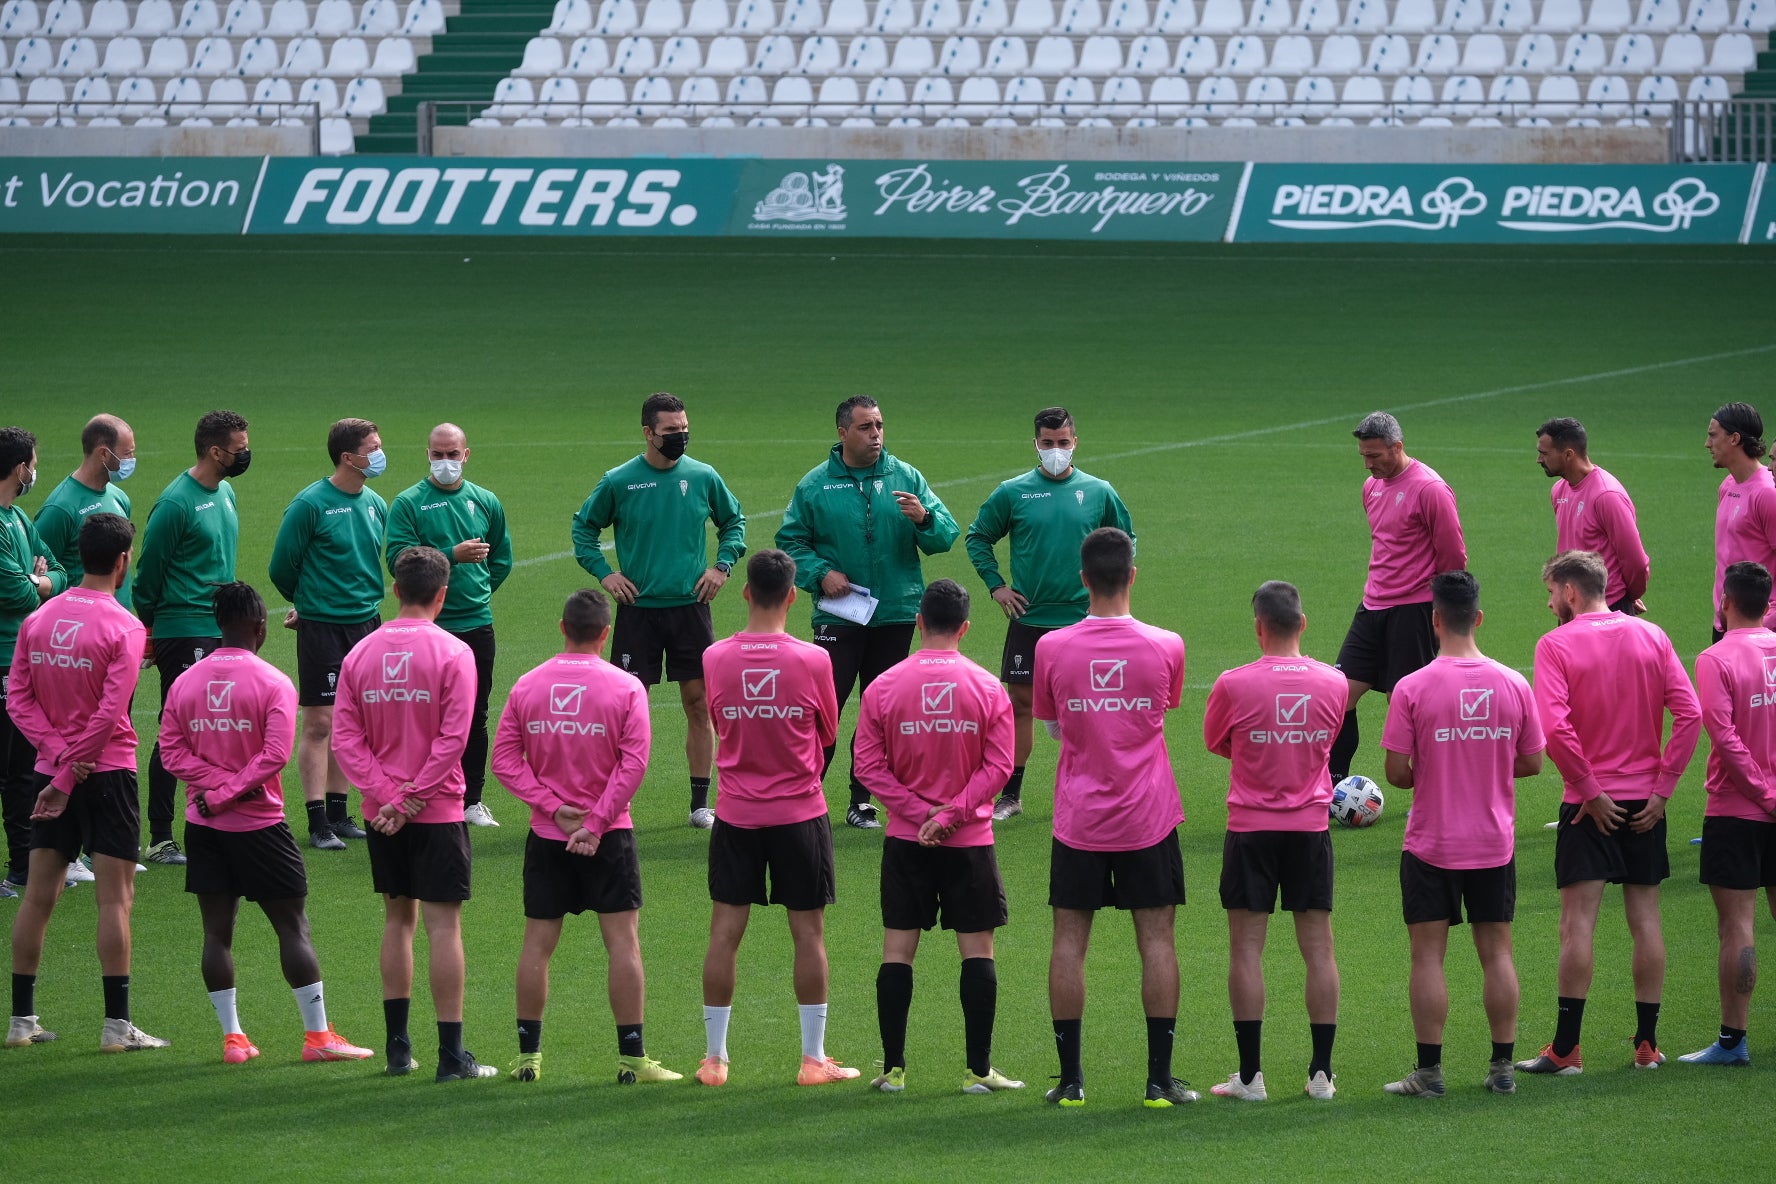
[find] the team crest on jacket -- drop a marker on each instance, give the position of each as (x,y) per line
(1079,496)
(684,487)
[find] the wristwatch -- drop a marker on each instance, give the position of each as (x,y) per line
(724,568)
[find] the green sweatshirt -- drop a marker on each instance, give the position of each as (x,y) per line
(1047,520)
(187,548)
(65,509)
(20,545)
(327,560)
(659,514)
(424,514)
(847,520)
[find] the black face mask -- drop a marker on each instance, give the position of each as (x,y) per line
(673,444)
(242,459)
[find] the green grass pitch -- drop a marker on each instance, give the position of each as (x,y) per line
(1215,387)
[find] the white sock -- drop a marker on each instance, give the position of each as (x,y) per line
(313,1004)
(223,1002)
(715,1029)
(813,1030)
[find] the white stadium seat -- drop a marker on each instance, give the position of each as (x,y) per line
(707,17)
(1609,16)
(1536,53)
(227,99)
(1270,16)
(773,55)
(959,56)
(1510,16)
(633,57)
(1508,97)
(1733,53)
(588,56)
(615,18)
(62,18)
(1634,53)
(1606,97)
(543,56)
(1126,16)
(198,18)
(393,58)
(662,17)
(1291,54)
(213,57)
(43,97)
(913,56)
(1411,96)
(1462,96)
(79,57)
(378,18)
(1438,53)
(333,18)
(893,16)
(183,97)
(91,97)
(1245,55)
(799,16)
(1365,16)
(109,18)
(846,16)
(1706,16)
(133,96)
(1584,54)
(1658,16)
(884,98)
(1079,16)
(1032,16)
(1174,16)
(1388,54)
(939,18)
(724,55)
(1708,88)
(986,16)
(571,17)
(1007,56)
(302,58)
(1170,96)
(1221,16)
(1147,55)
(1198,56)
(168,56)
(681,55)
(1053,57)
(606,96)
(1463,16)
(1318,16)
(697,95)
(1483,53)
(348,58)
(1414,16)
(19,18)
(1755,16)
(1682,54)
(424,18)
(287,18)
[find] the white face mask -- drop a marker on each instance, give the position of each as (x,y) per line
(1055,461)
(447,472)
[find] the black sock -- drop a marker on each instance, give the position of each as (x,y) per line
(449,1041)
(1344,748)
(980,1004)
(894,999)
(530,1036)
(159,832)
(317,817)
(116,996)
(394,1021)
(1646,1023)
(1321,1062)
(336,807)
(629,1041)
(24,995)
(1014,785)
(1503,1050)
(1429,1055)
(1159,1048)
(1067,1045)
(859,795)
(1729,1037)
(1566,1027)
(1249,1036)
(699,793)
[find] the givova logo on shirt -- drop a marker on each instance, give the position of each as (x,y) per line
(1475,707)
(758,688)
(1291,723)
(1105,690)
(1767,697)
(938,699)
(62,636)
(397,670)
(219,701)
(565,699)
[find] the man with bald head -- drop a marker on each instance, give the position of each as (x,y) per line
(468,524)
(108,458)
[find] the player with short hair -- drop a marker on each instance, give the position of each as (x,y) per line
(573,743)
(327,562)
(1603,685)
(934,742)
(1047,512)
(1592,512)
(1274,719)
(1415,532)
(771,697)
(406,693)
(188,549)
(69,694)
(1739,822)
(467,524)
(226,731)
(659,502)
(1745,513)
(29,575)
(1459,733)
(863,517)
(1104,686)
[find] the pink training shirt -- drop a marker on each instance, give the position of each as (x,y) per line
(1597,515)
(936,730)
(1736,681)
(1275,720)
(1745,528)
(406,693)
(1108,682)
(1464,722)
(227,729)
(73,673)
(1603,682)
(1415,533)
(575,732)
(771,697)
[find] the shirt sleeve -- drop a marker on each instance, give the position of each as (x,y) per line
(280,739)
(351,745)
(457,705)
(1686,725)
(633,744)
(730,523)
(795,537)
(939,532)
(18,587)
(1552,705)
(499,543)
(1448,549)
(122,668)
(179,758)
(510,764)
(998,738)
(1218,721)
(293,536)
(1529,736)
(160,538)
(873,770)
(1116,514)
(598,512)
(1399,732)
(57,528)
(1615,514)
(1175,696)
(828,715)
(1744,774)
(400,532)
(989,526)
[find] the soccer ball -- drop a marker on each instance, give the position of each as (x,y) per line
(1356,801)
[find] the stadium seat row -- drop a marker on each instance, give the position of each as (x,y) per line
(1099,55)
(942,17)
(1050,120)
(1557,96)
(212,57)
(204,18)
(180,97)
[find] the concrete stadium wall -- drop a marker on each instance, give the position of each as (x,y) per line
(158,141)
(1311,145)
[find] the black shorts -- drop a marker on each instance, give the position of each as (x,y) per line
(1625,605)
(1384,645)
(1431,893)
(861,653)
(102,816)
(1017,662)
(797,857)
(1256,863)
(558,882)
(320,649)
(1738,853)
(173,656)
(641,635)
(263,864)
(1150,878)
(422,860)
(1582,852)
(960,884)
